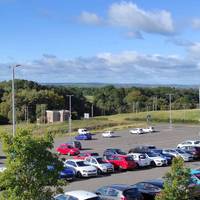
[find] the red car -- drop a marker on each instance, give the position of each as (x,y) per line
(67,149)
(121,162)
(84,155)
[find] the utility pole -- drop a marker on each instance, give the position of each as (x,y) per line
(199,97)
(13,98)
(92,111)
(170,110)
(70,113)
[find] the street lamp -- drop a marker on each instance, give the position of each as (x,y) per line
(13,97)
(70,114)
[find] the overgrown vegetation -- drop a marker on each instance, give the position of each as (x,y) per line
(26,175)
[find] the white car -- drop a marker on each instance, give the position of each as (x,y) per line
(2,169)
(148,130)
(141,159)
(195,143)
(156,159)
(77,195)
(81,168)
(81,195)
(136,131)
(83,131)
(108,134)
(101,165)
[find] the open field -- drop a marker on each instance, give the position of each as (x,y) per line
(114,122)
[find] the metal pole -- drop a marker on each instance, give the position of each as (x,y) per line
(170,107)
(199,97)
(13,100)
(92,110)
(70,113)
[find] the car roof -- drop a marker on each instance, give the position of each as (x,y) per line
(81,194)
(75,160)
(157,182)
(120,187)
(195,171)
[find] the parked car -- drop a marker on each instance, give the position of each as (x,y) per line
(87,136)
(101,165)
(84,155)
(67,149)
(118,192)
(137,131)
(168,157)
(142,149)
(67,173)
(156,159)
(140,159)
(186,156)
(112,151)
(81,168)
(195,143)
(195,151)
(150,129)
(121,162)
(75,144)
(60,197)
(108,134)
(83,131)
(81,195)
(195,176)
(149,189)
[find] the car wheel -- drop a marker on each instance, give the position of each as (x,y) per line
(153,164)
(137,166)
(79,175)
(121,168)
(99,172)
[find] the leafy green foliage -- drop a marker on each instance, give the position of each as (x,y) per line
(26,175)
(177,181)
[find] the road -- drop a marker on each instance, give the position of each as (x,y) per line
(164,137)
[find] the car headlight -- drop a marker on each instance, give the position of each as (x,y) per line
(85,171)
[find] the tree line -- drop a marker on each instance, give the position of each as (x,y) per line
(32,99)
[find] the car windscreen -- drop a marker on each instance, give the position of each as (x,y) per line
(119,151)
(81,164)
(197,175)
(157,151)
(150,154)
(94,154)
(131,193)
(94,198)
(180,151)
(100,161)
(197,142)
(143,156)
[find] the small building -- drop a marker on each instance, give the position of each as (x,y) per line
(57,115)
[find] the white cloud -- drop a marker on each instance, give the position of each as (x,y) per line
(89,18)
(129,15)
(124,67)
(196,23)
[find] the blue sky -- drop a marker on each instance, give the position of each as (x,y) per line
(108,41)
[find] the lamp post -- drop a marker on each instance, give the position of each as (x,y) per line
(13,98)
(70,113)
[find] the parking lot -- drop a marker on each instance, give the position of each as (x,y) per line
(164,137)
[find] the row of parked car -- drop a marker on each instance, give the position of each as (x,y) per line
(87,164)
(144,190)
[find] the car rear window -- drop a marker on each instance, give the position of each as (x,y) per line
(197,142)
(131,193)
(128,158)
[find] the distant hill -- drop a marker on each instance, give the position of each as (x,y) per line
(120,85)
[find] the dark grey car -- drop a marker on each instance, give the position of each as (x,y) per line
(75,144)
(119,192)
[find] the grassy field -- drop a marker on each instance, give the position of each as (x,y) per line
(114,122)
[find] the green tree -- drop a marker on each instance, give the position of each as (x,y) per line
(26,175)
(177,181)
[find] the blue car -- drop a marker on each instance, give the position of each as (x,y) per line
(67,173)
(195,176)
(87,136)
